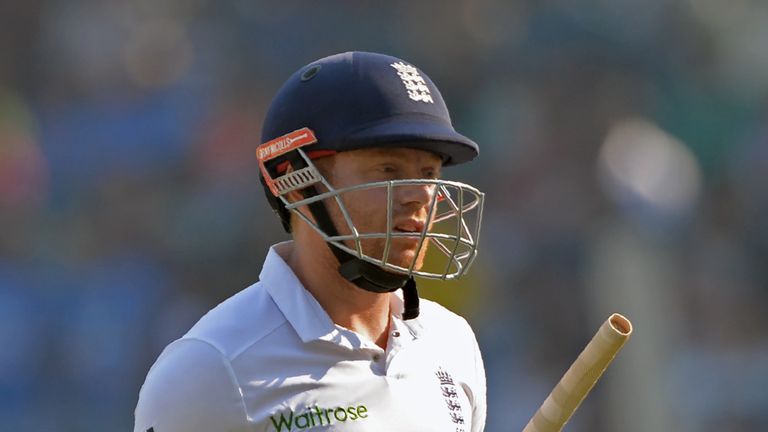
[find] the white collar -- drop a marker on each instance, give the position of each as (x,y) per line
(304,313)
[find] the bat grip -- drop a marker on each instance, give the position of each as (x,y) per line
(579,379)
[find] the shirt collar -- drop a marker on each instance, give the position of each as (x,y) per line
(304,313)
(297,305)
(396,307)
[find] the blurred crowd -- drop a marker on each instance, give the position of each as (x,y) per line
(624,157)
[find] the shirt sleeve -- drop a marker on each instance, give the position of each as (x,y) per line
(480,403)
(191,388)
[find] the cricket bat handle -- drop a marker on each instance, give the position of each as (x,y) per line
(574,386)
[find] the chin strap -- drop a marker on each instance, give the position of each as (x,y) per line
(363,274)
(371,278)
(410,300)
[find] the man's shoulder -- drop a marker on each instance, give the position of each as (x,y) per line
(170,400)
(191,387)
(437,318)
(238,322)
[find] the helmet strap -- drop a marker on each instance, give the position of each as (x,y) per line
(363,274)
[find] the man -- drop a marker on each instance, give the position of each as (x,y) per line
(333,336)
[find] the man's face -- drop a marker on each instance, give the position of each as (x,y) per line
(368,207)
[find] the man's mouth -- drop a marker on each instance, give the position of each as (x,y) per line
(409,226)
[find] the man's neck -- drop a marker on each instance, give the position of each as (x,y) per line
(349,306)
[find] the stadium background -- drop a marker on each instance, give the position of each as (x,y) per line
(624,156)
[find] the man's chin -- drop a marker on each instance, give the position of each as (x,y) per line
(399,255)
(404,260)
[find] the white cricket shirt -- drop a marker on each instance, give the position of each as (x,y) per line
(270,359)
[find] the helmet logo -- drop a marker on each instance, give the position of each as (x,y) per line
(414,83)
(284,144)
(278,147)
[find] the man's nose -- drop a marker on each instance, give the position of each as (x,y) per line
(416,194)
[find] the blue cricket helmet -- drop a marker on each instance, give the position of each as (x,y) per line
(359,99)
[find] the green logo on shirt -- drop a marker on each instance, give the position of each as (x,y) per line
(317,416)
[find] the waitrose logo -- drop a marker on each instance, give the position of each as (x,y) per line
(316,416)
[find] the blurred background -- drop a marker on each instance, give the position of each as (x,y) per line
(624,154)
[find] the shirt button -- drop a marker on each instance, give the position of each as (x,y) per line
(376,357)
(396,333)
